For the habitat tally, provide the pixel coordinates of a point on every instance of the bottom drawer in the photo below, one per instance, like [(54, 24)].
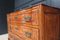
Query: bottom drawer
[(14, 37), (29, 33)]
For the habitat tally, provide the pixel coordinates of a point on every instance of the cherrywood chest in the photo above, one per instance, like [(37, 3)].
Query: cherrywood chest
[(40, 22)]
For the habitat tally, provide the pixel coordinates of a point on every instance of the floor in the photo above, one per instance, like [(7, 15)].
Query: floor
[(4, 37)]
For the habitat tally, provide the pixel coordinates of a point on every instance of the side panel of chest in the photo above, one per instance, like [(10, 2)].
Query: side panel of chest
[(51, 24)]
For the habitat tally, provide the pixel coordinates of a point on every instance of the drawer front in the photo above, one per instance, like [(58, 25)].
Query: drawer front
[(27, 18), (28, 33), (14, 37)]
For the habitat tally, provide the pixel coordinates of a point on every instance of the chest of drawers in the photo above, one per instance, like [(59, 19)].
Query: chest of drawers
[(39, 22)]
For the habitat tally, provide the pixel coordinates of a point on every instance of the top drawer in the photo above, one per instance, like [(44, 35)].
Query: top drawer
[(26, 17)]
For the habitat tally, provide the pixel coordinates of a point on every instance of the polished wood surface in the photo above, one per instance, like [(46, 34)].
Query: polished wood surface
[(40, 22), (52, 23)]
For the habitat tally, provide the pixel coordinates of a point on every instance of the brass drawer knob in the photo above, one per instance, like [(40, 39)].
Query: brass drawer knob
[(28, 34), (27, 18)]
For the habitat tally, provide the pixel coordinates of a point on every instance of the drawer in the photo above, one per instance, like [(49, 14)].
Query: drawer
[(27, 19), (28, 33), (14, 37)]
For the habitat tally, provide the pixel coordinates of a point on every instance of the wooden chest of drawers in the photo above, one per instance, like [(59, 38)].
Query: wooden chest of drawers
[(39, 22)]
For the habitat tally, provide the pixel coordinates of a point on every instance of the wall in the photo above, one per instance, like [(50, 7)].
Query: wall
[(5, 6), (53, 3), (20, 4)]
